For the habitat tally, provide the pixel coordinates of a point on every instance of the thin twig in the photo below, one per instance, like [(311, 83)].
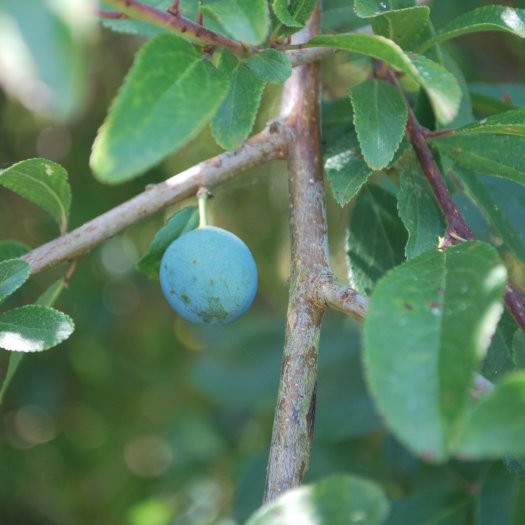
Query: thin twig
[(341, 298), (178, 24)]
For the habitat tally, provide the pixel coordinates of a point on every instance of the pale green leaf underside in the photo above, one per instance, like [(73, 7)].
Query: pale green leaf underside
[(428, 325), (496, 425), (13, 274), (33, 328), (380, 116), (234, 119), (376, 237), (441, 86), (481, 196), (487, 18), (167, 97), (346, 170), (182, 222), (12, 249), (418, 210), (270, 65), (43, 182), (507, 123), (337, 500), (497, 155), (244, 20)]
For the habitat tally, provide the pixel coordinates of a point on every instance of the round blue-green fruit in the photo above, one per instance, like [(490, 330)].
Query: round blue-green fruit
[(209, 276)]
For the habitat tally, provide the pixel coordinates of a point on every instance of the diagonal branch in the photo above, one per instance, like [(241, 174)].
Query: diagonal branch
[(177, 24), (266, 146)]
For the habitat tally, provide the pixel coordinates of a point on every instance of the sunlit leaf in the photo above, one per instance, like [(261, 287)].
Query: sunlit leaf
[(338, 500), (33, 328), (486, 18), (440, 85), (168, 96), (429, 323), (43, 182)]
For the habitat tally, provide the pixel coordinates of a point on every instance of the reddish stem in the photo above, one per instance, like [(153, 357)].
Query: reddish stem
[(113, 15), (178, 24), (457, 228)]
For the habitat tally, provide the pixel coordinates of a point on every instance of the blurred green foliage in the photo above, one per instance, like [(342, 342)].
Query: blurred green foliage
[(142, 419)]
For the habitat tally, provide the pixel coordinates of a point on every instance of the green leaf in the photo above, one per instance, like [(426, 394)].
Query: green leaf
[(496, 425), (346, 170), (48, 298), (33, 328), (337, 500), (182, 222), (496, 497), (518, 348), (440, 85), (369, 8), (45, 64), (270, 65), (507, 123), (465, 114), (376, 237), (235, 117), (44, 183), (428, 324), (13, 274), (402, 26), (500, 357), (487, 18), (429, 507), (380, 117), (481, 197), (168, 96), (495, 98), (12, 249), (496, 155), (418, 210), (401, 22), (294, 15), (244, 20), (281, 10)]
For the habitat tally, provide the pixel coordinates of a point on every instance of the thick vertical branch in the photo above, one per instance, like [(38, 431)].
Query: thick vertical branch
[(295, 409)]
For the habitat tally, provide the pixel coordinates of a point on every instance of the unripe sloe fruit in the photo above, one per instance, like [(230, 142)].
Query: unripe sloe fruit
[(209, 276)]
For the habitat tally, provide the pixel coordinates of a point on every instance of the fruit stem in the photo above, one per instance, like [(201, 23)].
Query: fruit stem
[(202, 196)]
